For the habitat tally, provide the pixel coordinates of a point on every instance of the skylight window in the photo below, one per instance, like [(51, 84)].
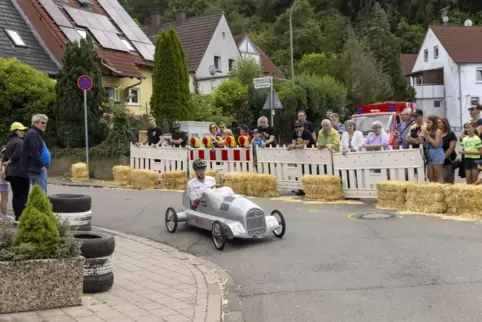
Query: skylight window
[(128, 45), (82, 33), (15, 38)]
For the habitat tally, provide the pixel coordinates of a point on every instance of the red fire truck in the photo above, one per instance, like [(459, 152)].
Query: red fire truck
[(387, 113)]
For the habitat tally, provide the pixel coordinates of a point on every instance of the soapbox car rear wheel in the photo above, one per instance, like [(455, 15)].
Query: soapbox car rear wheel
[(171, 220), (280, 231), (219, 235)]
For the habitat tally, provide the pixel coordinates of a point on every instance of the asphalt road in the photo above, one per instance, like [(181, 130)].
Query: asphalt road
[(328, 267)]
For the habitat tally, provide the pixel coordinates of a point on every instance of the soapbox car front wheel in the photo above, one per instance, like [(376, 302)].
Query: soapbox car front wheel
[(280, 231), (219, 235), (171, 220)]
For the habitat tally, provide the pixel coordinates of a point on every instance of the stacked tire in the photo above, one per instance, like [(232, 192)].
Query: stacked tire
[(98, 249), (76, 209)]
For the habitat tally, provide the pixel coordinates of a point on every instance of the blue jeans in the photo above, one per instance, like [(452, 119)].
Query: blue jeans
[(39, 179)]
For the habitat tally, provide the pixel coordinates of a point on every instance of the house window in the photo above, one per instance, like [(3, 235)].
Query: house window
[(110, 92), (224, 35), (134, 97), (437, 104), (217, 62), (231, 64), (479, 75), (418, 80), (435, 52), (82, 33), (425, 55), (15, 38), (128, 45), (474, 100)]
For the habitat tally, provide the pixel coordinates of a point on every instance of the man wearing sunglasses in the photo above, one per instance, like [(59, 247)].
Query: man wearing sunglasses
[(301, 137)]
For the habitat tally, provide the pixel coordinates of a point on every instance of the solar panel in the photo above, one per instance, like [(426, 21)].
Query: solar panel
[(144, 50), (116, 41), (102, 38), (105, 22), (71, 34), (77, 17), (91, 20), (55, 13)]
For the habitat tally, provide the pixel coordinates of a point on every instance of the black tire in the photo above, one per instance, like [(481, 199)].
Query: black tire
[(174, 220), (218, 235), (95, 243), (281, 221), (98, 266), (68, 203), (98, 283)]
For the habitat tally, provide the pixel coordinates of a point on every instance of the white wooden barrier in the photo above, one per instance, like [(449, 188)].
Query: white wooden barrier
[(224, 160), (160, 159), (290, 166), (361, 171)]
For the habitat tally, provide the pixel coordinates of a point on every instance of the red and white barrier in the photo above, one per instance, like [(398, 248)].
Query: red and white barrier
[(225, 160)]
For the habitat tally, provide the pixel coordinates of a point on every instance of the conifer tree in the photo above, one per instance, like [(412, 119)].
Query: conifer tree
[(171, 97), (79, 59)]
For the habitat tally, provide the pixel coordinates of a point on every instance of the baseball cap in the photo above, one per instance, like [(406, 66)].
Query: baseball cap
[(299, 123), (418, 112), (255, 130), (17, 126)]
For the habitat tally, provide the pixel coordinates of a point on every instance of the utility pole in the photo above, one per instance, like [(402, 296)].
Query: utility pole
[(291, 44)]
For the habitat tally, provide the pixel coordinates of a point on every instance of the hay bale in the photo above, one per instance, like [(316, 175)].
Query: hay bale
[(426, 197), (237, 181), (322, 187), (464, 200), (144, 179), (391, 194), (122, 174), (80, 172), (216, 174), (261, 185), (174, 180)]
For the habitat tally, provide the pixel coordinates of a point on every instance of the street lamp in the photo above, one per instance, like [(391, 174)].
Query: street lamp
[(291, 44)]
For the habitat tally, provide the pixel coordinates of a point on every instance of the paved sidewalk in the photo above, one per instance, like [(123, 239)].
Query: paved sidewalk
[(153, 282)]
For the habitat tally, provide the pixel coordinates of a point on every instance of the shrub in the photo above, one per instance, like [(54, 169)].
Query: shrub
[(38, 225)]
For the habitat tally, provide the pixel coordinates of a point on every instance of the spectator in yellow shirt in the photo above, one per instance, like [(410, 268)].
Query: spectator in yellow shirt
[(328, 137)]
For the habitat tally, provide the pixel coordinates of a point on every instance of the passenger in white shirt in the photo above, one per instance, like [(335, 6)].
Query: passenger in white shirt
[(351, 140), (197, 186)]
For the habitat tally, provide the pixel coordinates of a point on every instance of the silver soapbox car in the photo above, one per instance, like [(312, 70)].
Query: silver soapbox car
[(227, 215)]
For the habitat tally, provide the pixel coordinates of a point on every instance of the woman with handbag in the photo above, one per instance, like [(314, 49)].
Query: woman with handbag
[(449, 140)]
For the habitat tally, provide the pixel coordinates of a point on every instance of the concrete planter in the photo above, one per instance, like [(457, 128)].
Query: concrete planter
[(40, 284)]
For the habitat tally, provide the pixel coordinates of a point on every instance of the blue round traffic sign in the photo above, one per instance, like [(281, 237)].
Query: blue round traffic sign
[(85, 82)]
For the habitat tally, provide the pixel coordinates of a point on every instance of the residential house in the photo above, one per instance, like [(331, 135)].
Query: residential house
[(208, 45), (20, 40), (248, 48), (447, 73), (126, 53)]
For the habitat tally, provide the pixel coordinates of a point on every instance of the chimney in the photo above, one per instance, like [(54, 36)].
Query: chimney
[(180, 17), (155, 22)]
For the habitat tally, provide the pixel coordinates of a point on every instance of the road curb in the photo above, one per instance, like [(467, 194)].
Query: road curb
[(224, 304)]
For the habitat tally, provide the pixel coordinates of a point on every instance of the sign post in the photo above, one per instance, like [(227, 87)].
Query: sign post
[(85, 83), (266, 82)]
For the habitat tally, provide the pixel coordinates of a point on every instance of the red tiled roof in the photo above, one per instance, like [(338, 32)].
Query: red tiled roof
[(406, 62), (463, 44), (268, 67), (125, 63), (194, 33)]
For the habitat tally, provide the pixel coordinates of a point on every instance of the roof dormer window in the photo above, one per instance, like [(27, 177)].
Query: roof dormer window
[(82, 33), (128, 45), (15, 38)]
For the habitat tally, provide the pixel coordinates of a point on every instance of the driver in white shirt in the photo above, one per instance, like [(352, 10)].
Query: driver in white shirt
[(200, 184)]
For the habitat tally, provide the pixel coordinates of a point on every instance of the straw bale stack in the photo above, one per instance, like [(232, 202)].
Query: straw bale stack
[(261, 185), (391, 194), (464, 200), (237, 181), (322, 187), (212, 173), (80, 172), (174, 180), (144, 179), (142, 136), (122, 174), (426, 197)]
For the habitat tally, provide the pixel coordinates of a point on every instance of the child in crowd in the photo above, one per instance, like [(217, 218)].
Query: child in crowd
[(227, 132), (471, 150), (257, 140), (4, 187), (479, 177)]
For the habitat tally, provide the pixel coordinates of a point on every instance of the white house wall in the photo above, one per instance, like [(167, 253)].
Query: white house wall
[(225, 48), (208, 86), (451, 79), (247, 50)]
